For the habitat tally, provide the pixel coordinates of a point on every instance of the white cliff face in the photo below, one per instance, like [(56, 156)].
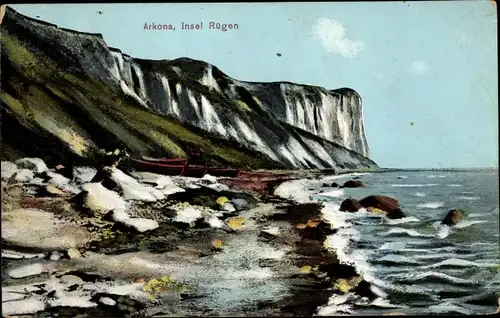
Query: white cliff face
[(203, 98), (331, 116)]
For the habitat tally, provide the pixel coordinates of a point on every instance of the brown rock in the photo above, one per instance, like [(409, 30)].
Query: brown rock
[(386, 204), (353, 184), (350, 205), (452, 218)]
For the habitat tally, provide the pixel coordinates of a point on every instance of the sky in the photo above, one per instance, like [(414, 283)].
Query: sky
[(426, 71)]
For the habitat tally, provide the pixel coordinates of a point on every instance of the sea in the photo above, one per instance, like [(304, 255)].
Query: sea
[(415, 265)]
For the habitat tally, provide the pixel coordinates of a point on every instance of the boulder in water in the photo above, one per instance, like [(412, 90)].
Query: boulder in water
[(353, 184), (452, 218), (384, 203), (381, 202), (350, 205)]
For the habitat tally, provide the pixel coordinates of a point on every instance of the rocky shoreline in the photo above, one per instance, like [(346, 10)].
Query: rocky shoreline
[(105, 243)]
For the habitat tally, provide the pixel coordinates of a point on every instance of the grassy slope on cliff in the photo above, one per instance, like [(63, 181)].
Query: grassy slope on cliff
[(81, 114)]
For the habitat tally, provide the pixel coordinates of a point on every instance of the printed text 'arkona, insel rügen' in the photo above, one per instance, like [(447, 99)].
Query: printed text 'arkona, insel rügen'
[(210, 25)]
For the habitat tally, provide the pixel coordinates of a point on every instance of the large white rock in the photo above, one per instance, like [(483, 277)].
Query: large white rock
[(36, 165), (23, 307), (107, 301), (8, 169), (27, 270), (209, 178), (273, 230), (72, 301), (188, 215), (101, 200), (10, 296), (215, 222), (57, 179), (83, 174), (140, 224), (228, 207), (133, 190), (20, 255), (24, 175), (118, 215)]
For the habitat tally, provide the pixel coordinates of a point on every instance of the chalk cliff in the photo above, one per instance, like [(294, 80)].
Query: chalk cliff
[(65, 93)]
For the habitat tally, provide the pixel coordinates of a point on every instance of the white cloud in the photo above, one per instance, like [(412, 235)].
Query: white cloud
[(331, 33), (419, 67)]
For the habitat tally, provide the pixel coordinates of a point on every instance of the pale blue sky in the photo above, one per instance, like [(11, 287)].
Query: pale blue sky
[(430, 63)]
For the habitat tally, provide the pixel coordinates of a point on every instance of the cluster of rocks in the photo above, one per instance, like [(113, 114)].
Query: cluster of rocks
[(347, 184), (60, 216), (383, 204), (374, 203)]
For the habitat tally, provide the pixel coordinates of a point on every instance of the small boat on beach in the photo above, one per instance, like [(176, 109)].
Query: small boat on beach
[(180, 167), (157, 167), (170, 161)]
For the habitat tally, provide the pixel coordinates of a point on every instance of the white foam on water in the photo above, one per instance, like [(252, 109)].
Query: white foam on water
[(336, 304), (418, 185), (467, 223), (399, 259), (384, 303), (430, 205), (334, 193), (435, 176), (332, 215), (468, 198), (458, 262), (448, 308), (344, 176), (442, 276), (420, 194), (404, 220), (399, 230), (393, 246), (443, 231), (454, 185)]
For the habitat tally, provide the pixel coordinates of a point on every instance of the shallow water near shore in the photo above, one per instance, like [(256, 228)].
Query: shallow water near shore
[(415, 264)]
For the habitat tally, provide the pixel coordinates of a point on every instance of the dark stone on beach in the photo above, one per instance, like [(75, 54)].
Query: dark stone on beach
[(381, 202), (336, 270), (64, 171), (350, 205), (239, 204), (353, 184), (299, 213), (363, 290), (319, 232), (333, 185), (452, 218)]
